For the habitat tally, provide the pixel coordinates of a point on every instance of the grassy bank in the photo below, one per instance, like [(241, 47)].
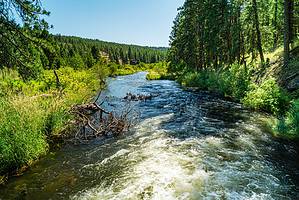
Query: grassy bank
[(34, 112)]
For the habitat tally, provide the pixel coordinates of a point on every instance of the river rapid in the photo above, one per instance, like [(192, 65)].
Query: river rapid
[(186, 145)]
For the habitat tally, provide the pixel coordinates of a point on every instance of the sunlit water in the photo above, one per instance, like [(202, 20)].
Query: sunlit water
[(186, 146)]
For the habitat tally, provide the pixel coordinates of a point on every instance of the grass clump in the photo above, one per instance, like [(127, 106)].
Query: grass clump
[(22, 137)]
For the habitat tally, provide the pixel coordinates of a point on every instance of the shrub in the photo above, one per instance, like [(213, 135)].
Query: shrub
[(194, 79), (292, 120), (157, 71), (268, 97), (289, 125), (238, 80), (153, 76), (232, 82)]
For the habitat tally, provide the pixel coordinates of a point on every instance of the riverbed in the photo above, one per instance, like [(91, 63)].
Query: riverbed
[(185, 145)]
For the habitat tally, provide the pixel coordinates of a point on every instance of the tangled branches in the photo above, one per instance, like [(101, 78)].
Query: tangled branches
[(93, 121)]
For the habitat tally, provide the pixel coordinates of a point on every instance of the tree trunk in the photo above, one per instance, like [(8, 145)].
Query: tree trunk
[(275, 32), (286, 31), (58, 84), (258, 33)]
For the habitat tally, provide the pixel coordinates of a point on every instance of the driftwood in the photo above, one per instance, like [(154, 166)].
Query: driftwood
[(93, 121), (138, 97)]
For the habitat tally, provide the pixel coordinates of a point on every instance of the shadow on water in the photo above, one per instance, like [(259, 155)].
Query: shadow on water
[(186, 146)]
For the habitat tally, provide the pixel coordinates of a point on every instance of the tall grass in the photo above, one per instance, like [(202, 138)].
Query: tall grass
[(157, 71), (31, 112), (22, 137)]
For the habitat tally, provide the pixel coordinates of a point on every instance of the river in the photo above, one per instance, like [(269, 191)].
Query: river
[(186, 145)]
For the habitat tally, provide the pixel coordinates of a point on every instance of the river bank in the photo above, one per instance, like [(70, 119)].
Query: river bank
[(35, 113)]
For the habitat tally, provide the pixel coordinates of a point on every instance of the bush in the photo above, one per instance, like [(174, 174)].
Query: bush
[(153, 76), (292, 120), (232, 82), (268, 97), (238, 81), (289, 125), (157, 71), (194, 79)]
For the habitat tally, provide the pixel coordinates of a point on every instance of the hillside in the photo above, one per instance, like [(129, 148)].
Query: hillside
[(287, 77)]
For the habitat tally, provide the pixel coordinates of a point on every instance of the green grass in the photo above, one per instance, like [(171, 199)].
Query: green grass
[(22, 137), (152, 75), (232, 82), (34, 111)]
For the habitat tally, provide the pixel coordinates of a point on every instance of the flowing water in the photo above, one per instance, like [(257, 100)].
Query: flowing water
[(186, 146)]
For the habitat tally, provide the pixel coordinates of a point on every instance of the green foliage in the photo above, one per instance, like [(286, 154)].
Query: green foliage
[(77, 62), (232, 82), (157, 71), (237, 81), (211, 34), (292, 120), (30, 119), (123, 70), (21, 133), (33, 68), (268, 97), (153, 76), (289, 125), (194, 79)]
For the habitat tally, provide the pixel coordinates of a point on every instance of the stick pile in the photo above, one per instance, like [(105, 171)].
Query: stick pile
[(93, 121)]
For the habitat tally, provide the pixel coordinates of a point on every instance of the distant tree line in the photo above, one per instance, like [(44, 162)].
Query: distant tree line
[(88, 51), (27, 46), (213, 33)]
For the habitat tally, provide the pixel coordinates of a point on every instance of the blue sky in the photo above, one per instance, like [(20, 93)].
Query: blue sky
[(141, 22)]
